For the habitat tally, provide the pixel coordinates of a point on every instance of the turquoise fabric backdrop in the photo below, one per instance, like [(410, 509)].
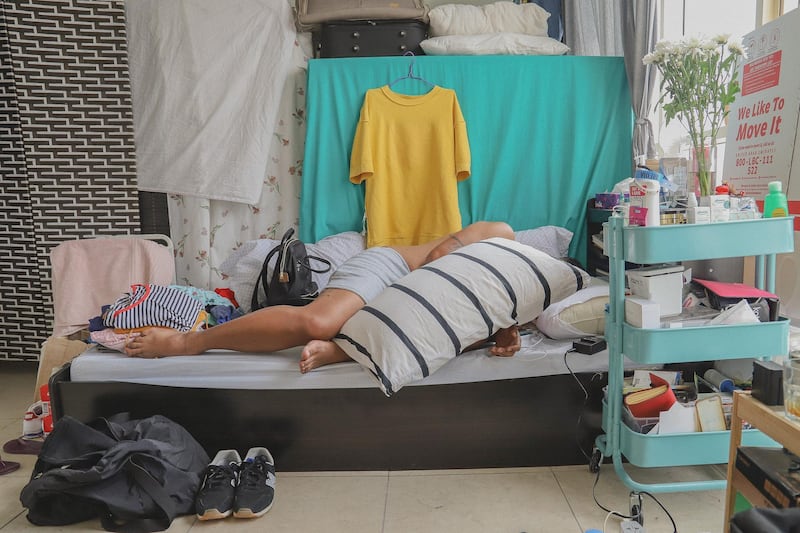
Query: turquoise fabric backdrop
[(546, 133)]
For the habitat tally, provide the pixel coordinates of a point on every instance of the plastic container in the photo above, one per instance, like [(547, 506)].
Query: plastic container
[(775, 204), (645, 193)]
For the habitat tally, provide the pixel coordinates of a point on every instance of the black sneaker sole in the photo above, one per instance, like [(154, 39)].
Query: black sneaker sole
[(214, 514), (247, 513)]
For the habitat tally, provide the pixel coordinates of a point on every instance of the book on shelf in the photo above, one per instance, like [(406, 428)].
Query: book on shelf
[(650, 402), (775, 472)]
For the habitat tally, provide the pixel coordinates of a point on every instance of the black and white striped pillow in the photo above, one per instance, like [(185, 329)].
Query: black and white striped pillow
[(429, 316)]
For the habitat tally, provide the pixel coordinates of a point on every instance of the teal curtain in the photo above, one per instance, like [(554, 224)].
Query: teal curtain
[(546, 133)]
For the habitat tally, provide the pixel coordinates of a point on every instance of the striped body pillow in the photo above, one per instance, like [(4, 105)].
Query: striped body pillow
[(429, 316)]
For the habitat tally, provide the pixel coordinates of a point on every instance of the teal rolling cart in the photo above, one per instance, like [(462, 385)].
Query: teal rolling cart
[(762, 238)]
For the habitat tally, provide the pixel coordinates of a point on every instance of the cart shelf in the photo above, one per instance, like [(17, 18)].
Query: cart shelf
[(705, 343), (762, 238)]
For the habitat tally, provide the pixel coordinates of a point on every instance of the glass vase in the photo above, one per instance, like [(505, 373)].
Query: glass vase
[(705, 168)]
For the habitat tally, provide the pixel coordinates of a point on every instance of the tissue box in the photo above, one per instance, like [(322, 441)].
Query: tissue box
[(607, 200), (663, 285)]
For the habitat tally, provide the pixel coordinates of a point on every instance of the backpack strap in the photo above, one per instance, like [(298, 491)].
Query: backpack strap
[(321, 270)]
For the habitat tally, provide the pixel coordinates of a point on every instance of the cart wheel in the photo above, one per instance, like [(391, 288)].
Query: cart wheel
[(594, 462), (637, 511)]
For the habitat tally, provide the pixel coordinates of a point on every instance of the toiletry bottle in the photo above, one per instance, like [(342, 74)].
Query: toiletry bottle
[(696, 214), (775, 204)]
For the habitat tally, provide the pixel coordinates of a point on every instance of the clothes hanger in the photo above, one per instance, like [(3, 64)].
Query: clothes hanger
[(411, 75)]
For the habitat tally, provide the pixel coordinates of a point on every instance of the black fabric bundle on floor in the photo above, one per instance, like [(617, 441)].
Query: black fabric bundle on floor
[(135, 475)]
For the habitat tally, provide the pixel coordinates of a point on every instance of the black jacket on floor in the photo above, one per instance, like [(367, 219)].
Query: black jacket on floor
[(135, 475)]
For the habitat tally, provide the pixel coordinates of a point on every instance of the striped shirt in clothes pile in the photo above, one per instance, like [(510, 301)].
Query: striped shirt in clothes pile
[(153, 305)]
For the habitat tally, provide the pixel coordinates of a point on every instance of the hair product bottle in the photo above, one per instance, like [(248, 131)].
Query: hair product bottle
[(775, 204)]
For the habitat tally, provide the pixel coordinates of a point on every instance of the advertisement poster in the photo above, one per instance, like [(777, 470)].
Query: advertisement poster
[(762, 144), (762, 122)]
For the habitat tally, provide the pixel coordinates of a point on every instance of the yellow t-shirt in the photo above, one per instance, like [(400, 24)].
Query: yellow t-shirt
[(412, 151)]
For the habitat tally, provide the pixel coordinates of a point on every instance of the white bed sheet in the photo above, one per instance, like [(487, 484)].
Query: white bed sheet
[(221, 369)]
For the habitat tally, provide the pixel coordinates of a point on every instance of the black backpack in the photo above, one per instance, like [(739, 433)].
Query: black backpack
[(135, 475), (291, 282)]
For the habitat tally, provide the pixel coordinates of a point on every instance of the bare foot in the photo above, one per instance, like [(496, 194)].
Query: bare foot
[(158, 342), (320, 353), (507, 342)]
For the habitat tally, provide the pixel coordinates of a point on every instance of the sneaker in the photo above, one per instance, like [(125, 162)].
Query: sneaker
[(32, 427), (216, 494), (256, 488)]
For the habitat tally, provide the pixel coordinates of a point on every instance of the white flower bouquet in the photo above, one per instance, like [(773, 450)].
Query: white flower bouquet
[(698, 83)]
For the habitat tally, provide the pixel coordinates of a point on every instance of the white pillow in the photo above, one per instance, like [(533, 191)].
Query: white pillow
[(577, 315), (242, 267), (493, 44), (455, 19), (553, 240), (429, 316)]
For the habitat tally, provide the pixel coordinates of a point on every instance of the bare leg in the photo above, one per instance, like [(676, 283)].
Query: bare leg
[(319, 353), (266, 330)]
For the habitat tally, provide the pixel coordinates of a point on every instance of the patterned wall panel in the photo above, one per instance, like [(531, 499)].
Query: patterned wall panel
[(19, 270), (69, 171)]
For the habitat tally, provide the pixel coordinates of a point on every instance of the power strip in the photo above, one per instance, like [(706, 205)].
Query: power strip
[(630, 526)]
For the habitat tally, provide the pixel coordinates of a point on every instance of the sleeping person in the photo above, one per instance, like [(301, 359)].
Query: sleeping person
[(355, 283)]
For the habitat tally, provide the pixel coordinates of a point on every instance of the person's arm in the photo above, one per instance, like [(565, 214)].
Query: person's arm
[(506, 342)]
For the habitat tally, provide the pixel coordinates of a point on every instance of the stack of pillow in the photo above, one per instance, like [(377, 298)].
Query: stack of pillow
[(501, 28)]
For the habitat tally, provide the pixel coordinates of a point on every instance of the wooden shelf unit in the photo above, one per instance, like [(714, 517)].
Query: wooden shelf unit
[(772, 422)]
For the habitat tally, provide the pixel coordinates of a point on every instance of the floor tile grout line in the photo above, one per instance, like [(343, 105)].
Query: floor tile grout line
[(566, 500), (386, 501), (12, 519)]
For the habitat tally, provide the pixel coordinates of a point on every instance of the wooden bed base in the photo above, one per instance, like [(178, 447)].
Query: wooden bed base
[(541, 421)]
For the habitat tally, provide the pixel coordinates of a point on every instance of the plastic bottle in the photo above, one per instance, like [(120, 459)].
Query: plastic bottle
[(645, 193), (775, 204), (696, 214)]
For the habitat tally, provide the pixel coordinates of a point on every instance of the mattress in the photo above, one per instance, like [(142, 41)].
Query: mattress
[(222, 369)]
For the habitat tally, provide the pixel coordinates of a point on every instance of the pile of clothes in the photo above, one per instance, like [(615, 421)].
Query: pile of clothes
[(178, 307)]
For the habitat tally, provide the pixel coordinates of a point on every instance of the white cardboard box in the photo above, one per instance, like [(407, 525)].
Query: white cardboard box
[(642, 313), (663, 285)]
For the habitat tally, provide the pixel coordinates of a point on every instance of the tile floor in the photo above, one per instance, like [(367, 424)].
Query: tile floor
[(530, 500)]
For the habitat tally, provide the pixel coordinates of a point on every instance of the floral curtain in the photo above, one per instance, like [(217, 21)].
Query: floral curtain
[(205, 232)]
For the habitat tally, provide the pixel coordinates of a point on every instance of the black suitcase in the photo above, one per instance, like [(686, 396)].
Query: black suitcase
[(356, 38)]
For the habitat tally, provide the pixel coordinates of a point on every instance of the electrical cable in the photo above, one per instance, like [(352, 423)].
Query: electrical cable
[(588, 458), (674, 527), (601, 506), (605, 522), (585, 401)]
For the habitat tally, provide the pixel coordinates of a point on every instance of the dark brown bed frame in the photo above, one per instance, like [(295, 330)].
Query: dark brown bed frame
[(540, 421)]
